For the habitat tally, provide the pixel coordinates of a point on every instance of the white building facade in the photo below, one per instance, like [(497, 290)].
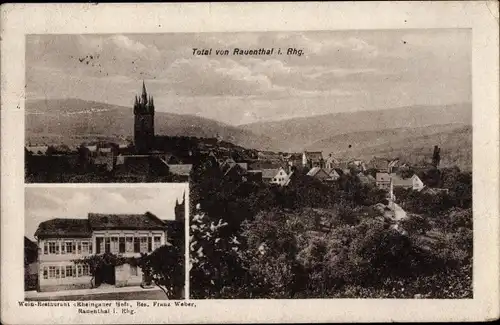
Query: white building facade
[(62, 241)]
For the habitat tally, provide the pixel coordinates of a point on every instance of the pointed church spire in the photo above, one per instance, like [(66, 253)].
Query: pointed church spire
[(144, 94)]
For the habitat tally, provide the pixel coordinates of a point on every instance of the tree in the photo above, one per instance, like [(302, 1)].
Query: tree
[(416, 224), (165, 268), (269, 256)]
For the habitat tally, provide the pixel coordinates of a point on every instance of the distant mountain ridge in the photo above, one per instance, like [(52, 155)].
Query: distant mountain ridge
[(298, 133), (410, 131)]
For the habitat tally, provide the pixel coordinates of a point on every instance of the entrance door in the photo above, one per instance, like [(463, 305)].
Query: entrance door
[(106, 275)]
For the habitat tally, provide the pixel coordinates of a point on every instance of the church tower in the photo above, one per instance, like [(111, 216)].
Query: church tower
[(179, 209), (144, 123)]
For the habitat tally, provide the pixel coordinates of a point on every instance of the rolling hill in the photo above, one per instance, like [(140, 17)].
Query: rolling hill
[(72, 121), (413, 145), (299, 133)]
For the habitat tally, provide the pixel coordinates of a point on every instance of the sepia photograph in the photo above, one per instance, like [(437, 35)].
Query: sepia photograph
[(340, 167), (250, 163), (104, 243)]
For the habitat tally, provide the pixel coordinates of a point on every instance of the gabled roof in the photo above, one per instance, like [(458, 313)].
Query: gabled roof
[(399, 181), (182, 170), (335, 172), (383, 177), (234, 168), (36, 149), (394, 163), (146, 221), (315, 170), (269, 173), (64, 227)]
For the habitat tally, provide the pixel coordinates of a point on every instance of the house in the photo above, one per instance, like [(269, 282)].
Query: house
[(274, 176), (413, 182), (230, 163), (331, 162), (62, 241), (380, 164), (335, 174), (37, 150), (312, 159), (183, 171), (318, 173), (293, 159), (30, 264), (383, 181), (393, 165), (234, 172)]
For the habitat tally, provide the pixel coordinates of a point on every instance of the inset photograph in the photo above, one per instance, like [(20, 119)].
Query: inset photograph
[(105, 242)]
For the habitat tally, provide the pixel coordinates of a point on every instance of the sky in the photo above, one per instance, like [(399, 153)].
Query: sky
[(340, 71), (44, 203)]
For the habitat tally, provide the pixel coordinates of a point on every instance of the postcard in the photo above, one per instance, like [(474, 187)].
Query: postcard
[(258, 162)]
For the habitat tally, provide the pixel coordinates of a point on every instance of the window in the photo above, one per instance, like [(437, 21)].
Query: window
[(52, 272), (114, 244), (122, 245), (150, 244), (85, 270), (73, 268), (84, 247), (144, 244), (57, 272), (52, 247), (63, 248), (137, 247), (107, 245), (45, 273), (129, 246), (63, 273), (79, 270), (90, 247), (69, 271), (69, 248), (133, 270), (157, 242), (45, 248), (79, 247)]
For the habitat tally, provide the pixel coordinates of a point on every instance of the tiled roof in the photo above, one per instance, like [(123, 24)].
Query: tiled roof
[(147, 221), (64, 227), (183, 170)]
